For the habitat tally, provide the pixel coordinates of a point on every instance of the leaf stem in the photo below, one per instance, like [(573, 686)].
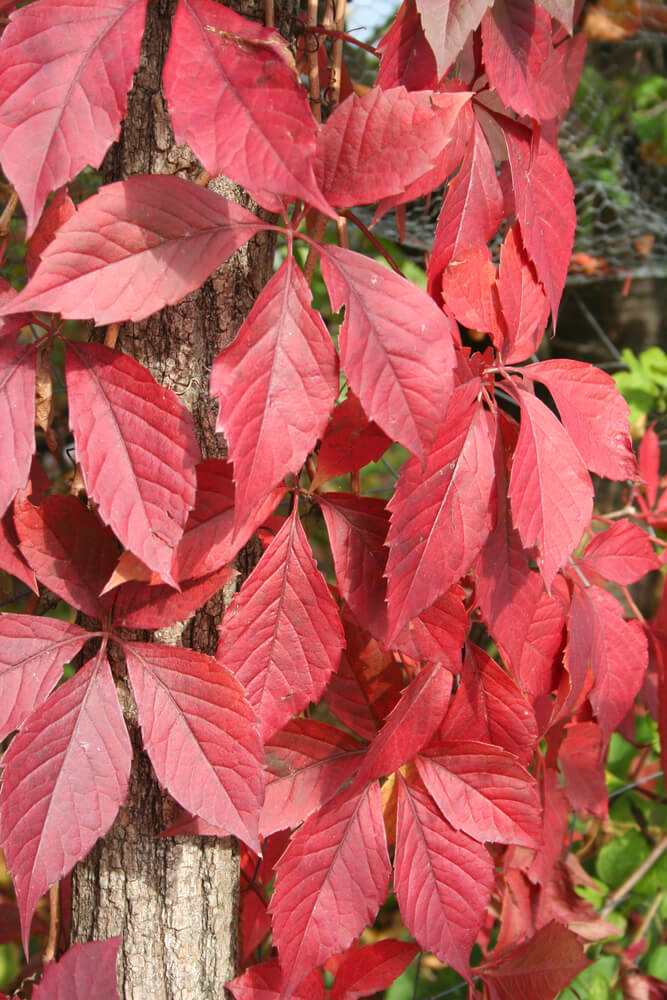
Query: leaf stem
[(51, 948), (373, 239)]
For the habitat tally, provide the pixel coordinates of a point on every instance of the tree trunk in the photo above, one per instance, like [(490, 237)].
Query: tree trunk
[(173, 900)]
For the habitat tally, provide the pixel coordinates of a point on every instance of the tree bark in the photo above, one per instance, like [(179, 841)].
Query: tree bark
[(173, 900)]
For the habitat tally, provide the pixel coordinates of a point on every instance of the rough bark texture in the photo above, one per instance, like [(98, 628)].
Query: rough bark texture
[(173, 900)]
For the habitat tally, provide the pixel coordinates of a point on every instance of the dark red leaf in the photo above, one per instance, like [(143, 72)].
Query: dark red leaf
[(581, 756), (442, 880), (71, 551), (137, 448), (281, 637), (60, 209), (195, 719), (17, 416), (11, 560), (32, 655), (438, 633), (538, 968), (276, 384), (447, 25), (139, 605), (84, 971), (64, 776), (368, 970), (344, 851), (407, 58), (265, 982), (396, 347), (350, 441), (68, 67), (134, 247)]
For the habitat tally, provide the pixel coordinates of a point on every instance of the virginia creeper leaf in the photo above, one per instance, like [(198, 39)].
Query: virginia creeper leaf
[(523, 301), (538, 968), (11, 559), (64, 776), (438, 633), (227, 76), (137, 448), (345, 850), (59, 210), (350, 441), (373, 968), (442, 880), (134, 247), (550, 491), (407, 58), (68, 66), (649, 464), (562, 10), (17, 416), (84, 971), (276, 384), (195, 721), (396, 347), (581, 757), (140, 605), (265, 982), (281, 636), (447, 23), (623, 554)]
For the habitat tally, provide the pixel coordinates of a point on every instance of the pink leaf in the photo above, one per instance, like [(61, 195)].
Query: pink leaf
[(195, 720), (550, 491), (438, 633), (649, 464), (64, 777), (411, 724), (71, 551), (344, 851), (17, 416), (594, 414), (396, 347), (60, 209), (307, 762), (63, 93), (84, 971), (11, 560), (226, 76), (276, 384), (524, 304), (33, 652), (581, 757), (139, 605), (209, 540), (368, 970), (134, 247), (265, 982), (441, 515), (407, 58), (483, 791), (448, 24), (350, 441), (281, 637), (442, 880), (137, 448), (538, 968), (623, 554)]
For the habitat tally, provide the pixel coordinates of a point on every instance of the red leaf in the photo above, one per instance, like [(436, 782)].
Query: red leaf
[(307, 762), (396, 347), (64, 777), (438, 633), (544, 199), (11, 560), (594, 413), (134, 247), (483, 791), (410, 726), (407, 58), (473, 209), (469, 291), (195, 720), (447, 25), (137, 448), (368, 970), (276, 384), (60, 209), (350, 441), (17, 416), (581, 756), (138, 605), (225, 76), (649, 464), (265, 982), (538, 968), (63, 93), (71, 551), (623, 554), (33, 652), (209, 540), (344, 850), (442, 880), (281, 637), (84, 971), (524, 303), (441, 515), (562, 10), (489, 707), (550, 491)]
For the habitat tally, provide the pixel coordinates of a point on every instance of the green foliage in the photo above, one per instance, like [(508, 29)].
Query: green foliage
[(644, 384)]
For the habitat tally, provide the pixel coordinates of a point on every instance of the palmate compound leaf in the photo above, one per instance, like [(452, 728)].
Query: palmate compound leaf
[(17, 416), (483, 791), (550, 490), (65, 69), (227, 77), (441, 515), (442, 879), (32, 653), (276, 384), (134, 247), (396, 347), (85, 971), (343, 849), (200, 734), (281, 636), (64, 777), (137, 448), (447, 25)]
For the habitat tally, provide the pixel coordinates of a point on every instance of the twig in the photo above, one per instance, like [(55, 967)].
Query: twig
[(318, 232), (341, 226), (337, 56), (635, 784), (202, 178), (111, 335), (269, 14), (7, 213), (626, 887), (345, 37), (313, 64), (650, 913), (54, 924)]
